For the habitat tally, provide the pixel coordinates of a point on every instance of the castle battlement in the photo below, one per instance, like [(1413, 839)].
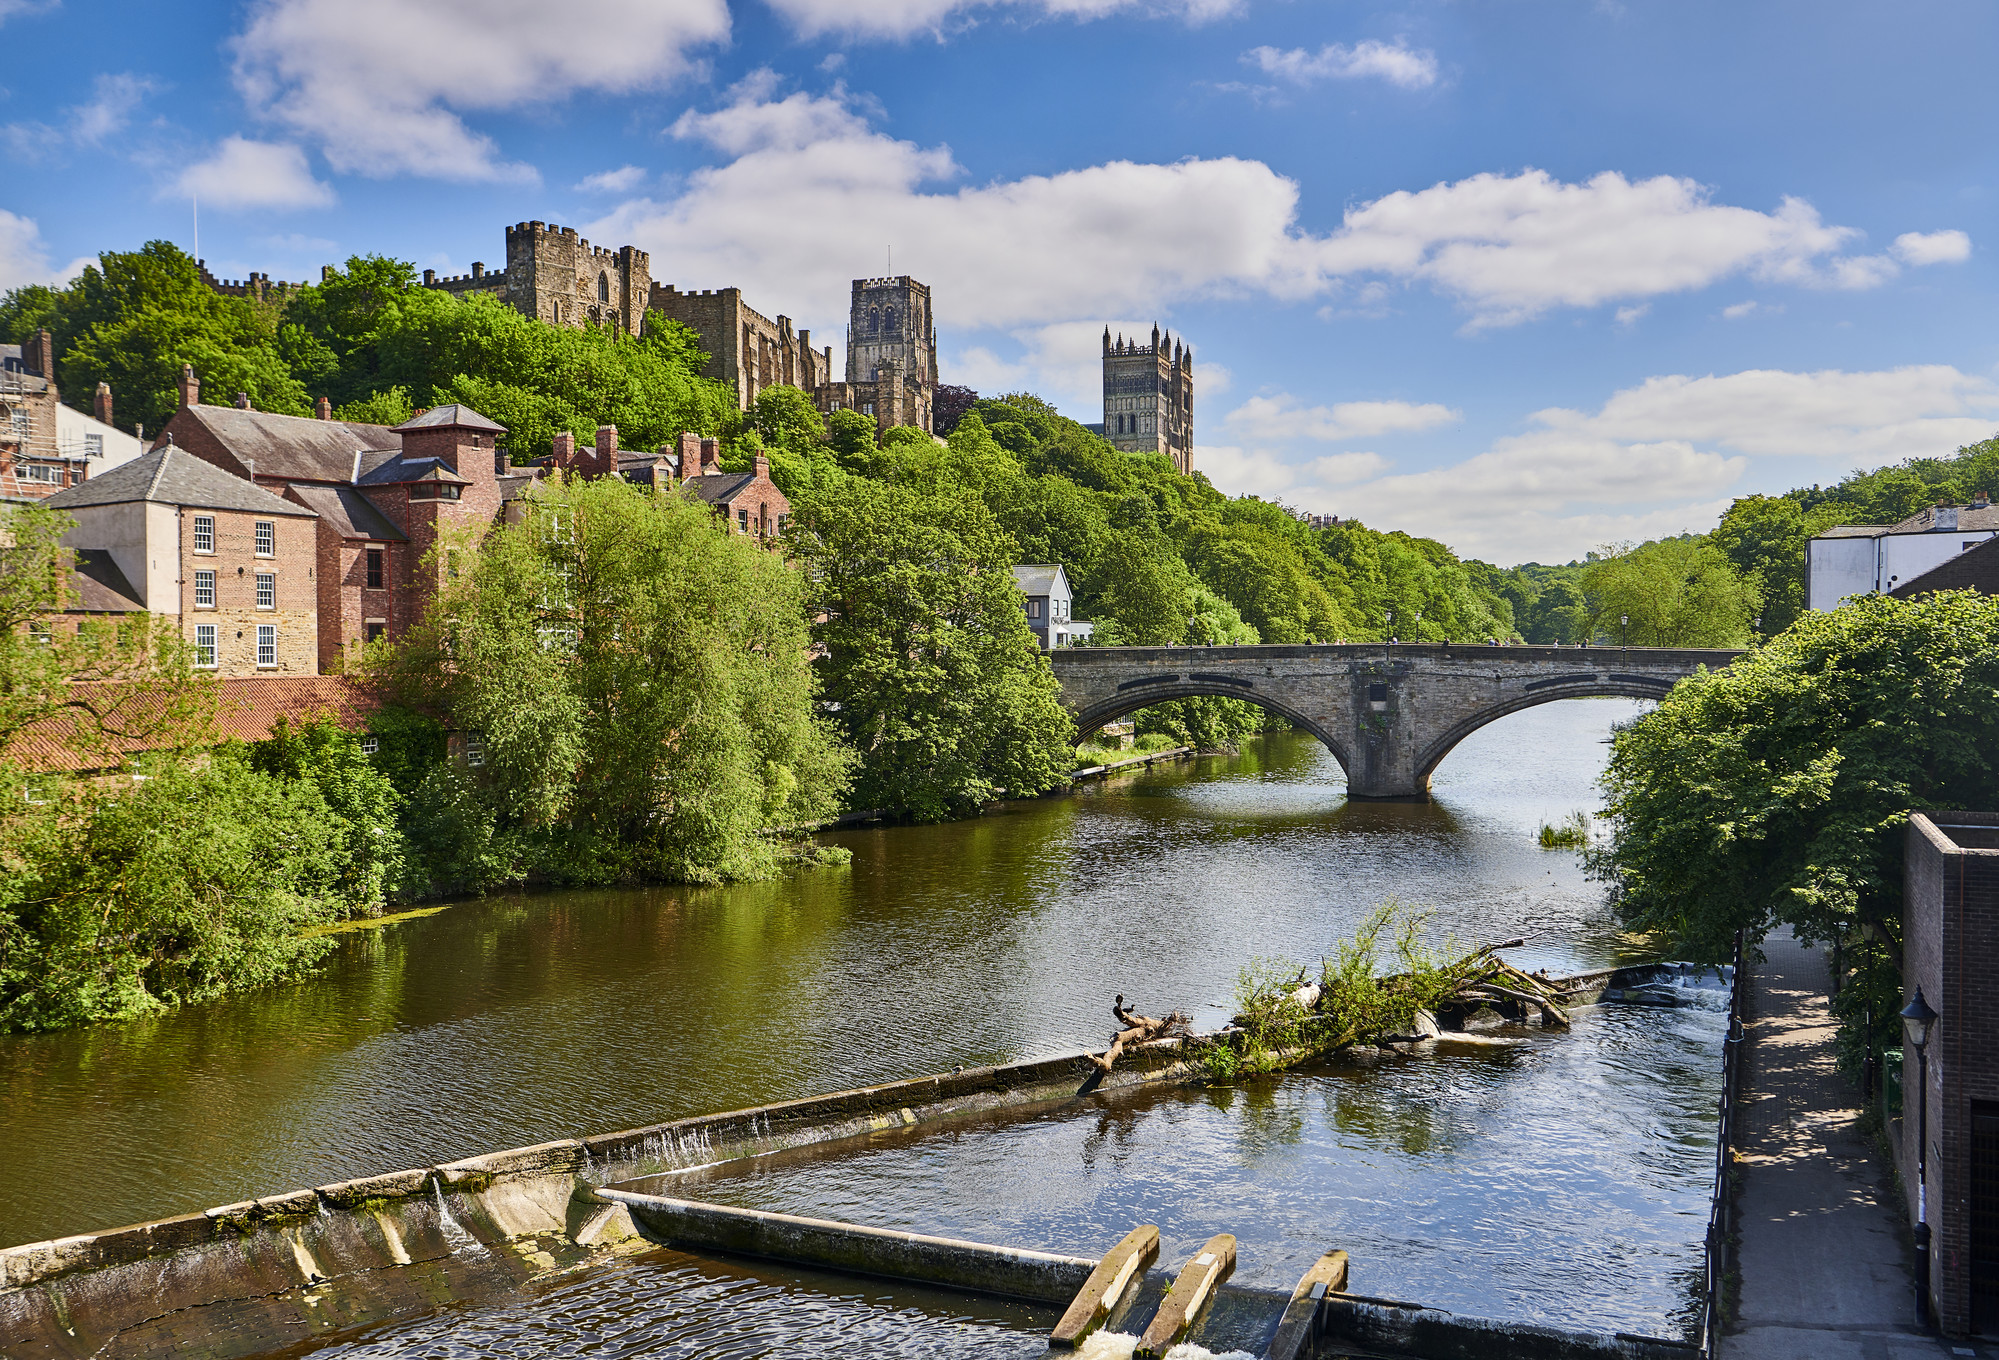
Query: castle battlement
[(899, 281), (256, 285)]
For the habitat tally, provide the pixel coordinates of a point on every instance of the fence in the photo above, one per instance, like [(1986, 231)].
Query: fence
[(1721, 1208)]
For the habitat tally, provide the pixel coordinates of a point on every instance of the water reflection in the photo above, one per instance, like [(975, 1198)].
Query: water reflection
[(515, 1020)]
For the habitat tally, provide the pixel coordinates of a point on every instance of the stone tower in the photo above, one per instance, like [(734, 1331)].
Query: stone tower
[(891, 335), (1149, 397), (556, 276)]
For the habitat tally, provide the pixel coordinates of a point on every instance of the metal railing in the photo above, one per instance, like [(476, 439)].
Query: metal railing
[(1721, 1209)]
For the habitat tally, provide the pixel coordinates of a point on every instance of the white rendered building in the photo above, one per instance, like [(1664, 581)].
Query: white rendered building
[(1869, 559)]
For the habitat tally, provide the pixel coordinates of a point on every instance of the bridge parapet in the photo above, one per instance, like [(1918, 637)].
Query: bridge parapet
[(1389, 714)]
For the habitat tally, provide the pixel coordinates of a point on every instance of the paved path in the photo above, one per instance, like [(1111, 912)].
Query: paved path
[(1825, 1260)]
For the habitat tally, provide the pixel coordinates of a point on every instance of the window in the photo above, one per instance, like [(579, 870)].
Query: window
[(1034, 609), (204, 645), (559, 640), (204, 590), (370, 745), (20, 422), (37, 472), (93, 446), (743, 520), (375, 557), (267, 644), (40, 632), (267, 538), (434, 491), (603, 288), (377, 630), (475, 750), (267, 590), (204, 533)]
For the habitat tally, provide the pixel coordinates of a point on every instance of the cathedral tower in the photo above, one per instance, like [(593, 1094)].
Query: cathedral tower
[(1149, 397), (890, 334)]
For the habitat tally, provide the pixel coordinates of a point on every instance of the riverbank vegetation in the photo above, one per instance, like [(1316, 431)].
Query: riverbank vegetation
[(1776, 792)]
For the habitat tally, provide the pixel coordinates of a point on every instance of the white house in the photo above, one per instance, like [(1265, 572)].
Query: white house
[(102, 446), (1049, 602), (1867, 559)]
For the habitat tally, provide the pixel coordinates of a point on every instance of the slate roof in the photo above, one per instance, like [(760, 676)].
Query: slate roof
[(399, 470), (1973, 569), (1038, 578), (292, 447), (173, 476), (99, 586), (719, 488), (348, 513), (452, 416), (1970, 519)]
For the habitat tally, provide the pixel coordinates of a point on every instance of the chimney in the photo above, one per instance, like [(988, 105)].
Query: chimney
[(250, 468), (1980, 501), (101, 407), (562, 451), (762, 468), (41, 352), (711, 456), (1946, 517), (502, 465), (323, 408), (242, 401), (690, 455), (190, 387), (607, 450)]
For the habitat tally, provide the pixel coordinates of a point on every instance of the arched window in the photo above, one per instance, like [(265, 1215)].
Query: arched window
[(603, 288)]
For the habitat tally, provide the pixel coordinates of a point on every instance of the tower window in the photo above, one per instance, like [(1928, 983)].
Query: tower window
[(375, 559), (603, 288)]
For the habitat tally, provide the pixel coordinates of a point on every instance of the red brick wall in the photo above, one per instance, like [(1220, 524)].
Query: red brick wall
[(235, 614)]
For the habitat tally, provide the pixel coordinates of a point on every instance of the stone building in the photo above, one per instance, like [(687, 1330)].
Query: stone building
[(1950, 944), (554, 275), (891, 355), (1149, 397), (746, 349), (229, 562)]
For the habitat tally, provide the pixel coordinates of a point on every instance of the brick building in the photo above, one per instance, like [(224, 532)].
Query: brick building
[(230, 563), (1950, 944), (746, 350)]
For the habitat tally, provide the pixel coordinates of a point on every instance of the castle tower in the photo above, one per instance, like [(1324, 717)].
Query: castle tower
[(1149, 397), (889, 322), (556, 276)]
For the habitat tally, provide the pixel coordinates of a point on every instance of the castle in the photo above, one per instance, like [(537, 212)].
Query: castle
[(1149, 397)]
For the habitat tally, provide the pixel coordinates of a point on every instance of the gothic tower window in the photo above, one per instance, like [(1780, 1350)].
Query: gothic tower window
[(603, 288)]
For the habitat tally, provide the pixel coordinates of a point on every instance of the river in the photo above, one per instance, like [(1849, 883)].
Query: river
[(518, 1019)]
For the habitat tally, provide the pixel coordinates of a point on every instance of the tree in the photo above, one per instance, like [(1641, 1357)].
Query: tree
[(1776, 791), (640, 682), (928, 664), (1766, 539), (1677, 592), (948, 406), (362, 805)]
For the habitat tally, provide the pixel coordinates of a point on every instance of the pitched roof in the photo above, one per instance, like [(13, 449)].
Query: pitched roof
[(719, 488), (99, 585), (347, 512), (398, 470), (1973, 569), (173, 476), (1038, 578), (246, 709), (292, 447), (456, 415)]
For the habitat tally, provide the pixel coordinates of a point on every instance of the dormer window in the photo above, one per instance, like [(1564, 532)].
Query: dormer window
[(435, 491)]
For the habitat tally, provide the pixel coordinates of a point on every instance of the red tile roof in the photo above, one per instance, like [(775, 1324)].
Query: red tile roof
[(246, 709)]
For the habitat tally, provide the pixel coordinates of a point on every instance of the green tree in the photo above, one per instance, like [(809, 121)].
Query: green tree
[(928, 664), (1766, 538), (361, 801), (1677, 592)]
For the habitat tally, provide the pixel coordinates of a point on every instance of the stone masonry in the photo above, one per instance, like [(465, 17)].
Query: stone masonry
[(554, 275), (1149, 397), (1389, 713), (746, 349)]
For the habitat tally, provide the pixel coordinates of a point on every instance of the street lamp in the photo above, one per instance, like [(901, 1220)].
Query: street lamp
[(1918, 1018), (1624, 630)]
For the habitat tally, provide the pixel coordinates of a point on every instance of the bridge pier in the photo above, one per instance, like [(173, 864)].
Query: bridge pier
[(1389, 714)]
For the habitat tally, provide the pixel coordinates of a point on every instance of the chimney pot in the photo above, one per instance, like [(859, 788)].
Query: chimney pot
[(101, 407), (190, 387), (323, 408), (242, 401)]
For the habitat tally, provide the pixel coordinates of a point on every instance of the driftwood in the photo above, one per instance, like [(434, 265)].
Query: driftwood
[(1137, 1030)]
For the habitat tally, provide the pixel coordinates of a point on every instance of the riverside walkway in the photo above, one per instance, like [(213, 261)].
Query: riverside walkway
[(1825, 1259)]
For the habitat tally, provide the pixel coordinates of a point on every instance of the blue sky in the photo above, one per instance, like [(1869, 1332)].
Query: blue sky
[(1525, 276)]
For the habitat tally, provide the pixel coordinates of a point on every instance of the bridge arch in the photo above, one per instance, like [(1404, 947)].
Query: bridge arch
[(1433, 755), (1130, 701)]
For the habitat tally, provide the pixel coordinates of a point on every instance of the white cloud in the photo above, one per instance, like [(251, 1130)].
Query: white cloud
[(1280, 416), (1630, 316), (108, 111), (1392, 62), (11, 8), (906, 18), (25, 260), (1736, 311), (382, 85), (809, 195), (1935, 247), (246, 174), (1657, 458), (1337, 469), (1211, 380), (620, 181)]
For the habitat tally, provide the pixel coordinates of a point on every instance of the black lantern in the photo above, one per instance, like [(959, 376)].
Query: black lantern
[(1918, 1019)]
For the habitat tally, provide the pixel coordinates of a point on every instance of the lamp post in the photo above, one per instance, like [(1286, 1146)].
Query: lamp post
[(1624, 630), (1917, 1020)]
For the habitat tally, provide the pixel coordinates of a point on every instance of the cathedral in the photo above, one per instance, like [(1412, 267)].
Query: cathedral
[(1149, 397)]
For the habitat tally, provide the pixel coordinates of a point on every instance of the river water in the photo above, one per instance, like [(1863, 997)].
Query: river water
[(1563, 1178)]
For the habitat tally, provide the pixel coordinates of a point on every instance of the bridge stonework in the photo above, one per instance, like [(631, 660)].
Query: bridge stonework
[(1389, 714)]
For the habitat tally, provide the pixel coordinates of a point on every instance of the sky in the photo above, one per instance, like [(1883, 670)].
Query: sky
[(1527, 276)]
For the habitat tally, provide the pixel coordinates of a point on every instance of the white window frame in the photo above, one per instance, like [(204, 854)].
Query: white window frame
[(267, 588), (204, 590), (204, 535), (267, 645), (475, 750), (267, 538), (93, 446), (204, 646), (370, 745)]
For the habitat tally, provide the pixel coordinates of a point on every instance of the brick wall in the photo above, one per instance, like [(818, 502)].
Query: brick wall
[(1950, 943), (29, 455), (236, 615)]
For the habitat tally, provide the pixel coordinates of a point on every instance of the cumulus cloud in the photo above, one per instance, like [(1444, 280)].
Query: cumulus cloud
[(1281, 416), (1631, 316), (382, 85), (11, 8), (114, 98), (809, 193), (1398, 65), (620, 181), (906, 18), (24, 259), (245, 174), (1657, 458), (1935, 247), (1737, 311)]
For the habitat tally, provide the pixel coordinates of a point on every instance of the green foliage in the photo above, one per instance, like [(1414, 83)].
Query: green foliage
[(1677, 592), (193, 882), (390, 407), (1776, 791), (929, 668), (409, 745), (1570, 833), (361, 802)]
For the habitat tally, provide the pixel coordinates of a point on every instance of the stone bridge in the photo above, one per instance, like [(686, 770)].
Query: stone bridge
[(1390, 714)]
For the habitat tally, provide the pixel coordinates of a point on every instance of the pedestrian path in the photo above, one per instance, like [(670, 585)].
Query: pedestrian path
[(1825, 1258)]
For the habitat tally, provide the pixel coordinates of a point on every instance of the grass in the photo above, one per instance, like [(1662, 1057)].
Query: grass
[(1571, 833), (1090, 753)]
